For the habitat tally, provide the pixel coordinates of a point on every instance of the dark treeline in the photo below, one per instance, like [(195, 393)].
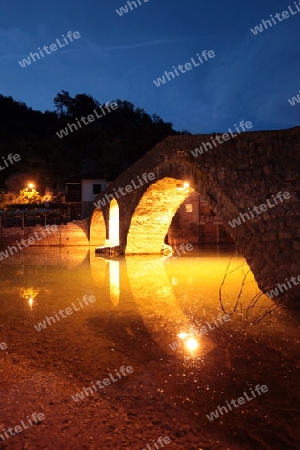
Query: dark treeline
[(105, 147)]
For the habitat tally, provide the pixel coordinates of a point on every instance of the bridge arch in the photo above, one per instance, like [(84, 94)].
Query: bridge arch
[(153, 215), (241, 173), (97, 228), (157, 205)]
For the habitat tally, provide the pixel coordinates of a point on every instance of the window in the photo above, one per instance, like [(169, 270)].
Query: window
[(97, 188), (73, 192), (189, 207)]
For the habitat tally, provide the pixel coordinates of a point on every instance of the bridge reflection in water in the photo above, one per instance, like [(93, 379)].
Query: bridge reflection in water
[(175, 298), (172, 296)]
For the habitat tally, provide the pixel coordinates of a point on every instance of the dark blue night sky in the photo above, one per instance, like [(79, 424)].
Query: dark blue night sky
[(250, 78)]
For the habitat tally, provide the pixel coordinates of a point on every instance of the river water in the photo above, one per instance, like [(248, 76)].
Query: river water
[(148, 312)]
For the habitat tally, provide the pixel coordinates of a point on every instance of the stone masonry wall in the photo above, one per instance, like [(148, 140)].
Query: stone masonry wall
[(73, 233)]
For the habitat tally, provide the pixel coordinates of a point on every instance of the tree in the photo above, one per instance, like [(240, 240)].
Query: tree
[(80, 105), (107, 146), (83, 105), (63, 102)]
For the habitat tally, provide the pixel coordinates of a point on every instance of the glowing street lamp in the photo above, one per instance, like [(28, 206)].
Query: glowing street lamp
[(185, 185)]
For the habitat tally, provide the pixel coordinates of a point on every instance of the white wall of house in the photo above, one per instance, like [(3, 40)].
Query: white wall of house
[(87, 189)]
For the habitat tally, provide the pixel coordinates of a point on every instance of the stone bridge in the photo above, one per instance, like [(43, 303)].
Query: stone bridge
[(243, 172)]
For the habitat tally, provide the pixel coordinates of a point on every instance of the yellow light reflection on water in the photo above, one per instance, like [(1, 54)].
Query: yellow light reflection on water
[(182, 335), (191, 344), (114, 282), (179, 309), (29, 294), (30, 302)]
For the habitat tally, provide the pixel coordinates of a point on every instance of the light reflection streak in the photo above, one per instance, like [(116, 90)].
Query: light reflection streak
[(30, 302), (114, 282), (29, 294), (161, 311)]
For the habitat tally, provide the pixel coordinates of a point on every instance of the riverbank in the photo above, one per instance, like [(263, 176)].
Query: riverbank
[(42, 373)]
